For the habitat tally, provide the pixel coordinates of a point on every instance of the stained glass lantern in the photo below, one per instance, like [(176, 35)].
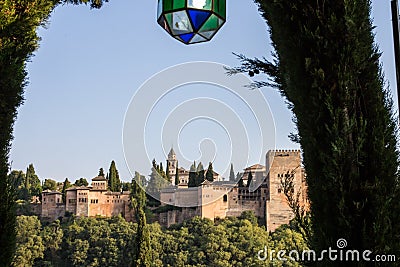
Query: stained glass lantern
[(191, 21)]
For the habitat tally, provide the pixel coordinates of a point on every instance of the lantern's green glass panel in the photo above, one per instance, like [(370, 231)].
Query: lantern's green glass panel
[(179, 22), (168, 5), (159, 8), (197, 39), (220, 8), (168, 18), (200, 4), (213, 23), (179, 4)]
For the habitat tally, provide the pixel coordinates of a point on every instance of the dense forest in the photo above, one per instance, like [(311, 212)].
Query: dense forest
[(109, 242)]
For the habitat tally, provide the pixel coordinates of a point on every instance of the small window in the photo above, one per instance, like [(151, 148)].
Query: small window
[(225, 198), (279, 190)]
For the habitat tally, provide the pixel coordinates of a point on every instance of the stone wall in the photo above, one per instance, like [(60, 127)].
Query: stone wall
[(282, 162)]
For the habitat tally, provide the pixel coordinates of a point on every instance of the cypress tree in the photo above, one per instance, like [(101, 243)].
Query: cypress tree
[(66, 185), (200, 174), (114, 183), (32, 182), (238, 176), (101, 172), (210, 173), (249, 179), (176, 176), (19, 22), (192, 176), (327, 68), (161, 168), (241, 183), (142, 249), (232, 177), (169, 178)]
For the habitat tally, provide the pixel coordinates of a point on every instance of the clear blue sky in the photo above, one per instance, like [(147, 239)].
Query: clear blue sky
[(91, 63)]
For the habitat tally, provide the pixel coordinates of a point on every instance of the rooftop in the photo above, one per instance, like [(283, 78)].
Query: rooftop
[(99, 178)]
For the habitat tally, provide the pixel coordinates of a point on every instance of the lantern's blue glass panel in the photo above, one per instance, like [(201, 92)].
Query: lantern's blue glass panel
[(180, 23), (200, 4), (186, 37), (198, 17)]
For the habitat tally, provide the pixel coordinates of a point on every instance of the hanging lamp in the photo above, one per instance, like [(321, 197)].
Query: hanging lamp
[(191, 21)]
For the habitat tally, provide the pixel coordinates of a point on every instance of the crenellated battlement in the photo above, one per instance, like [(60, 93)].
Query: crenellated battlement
[(283, 153)]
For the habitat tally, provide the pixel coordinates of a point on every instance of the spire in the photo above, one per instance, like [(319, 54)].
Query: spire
[(171, 153)]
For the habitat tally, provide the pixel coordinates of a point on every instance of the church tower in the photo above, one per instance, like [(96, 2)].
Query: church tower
[(172, 163)]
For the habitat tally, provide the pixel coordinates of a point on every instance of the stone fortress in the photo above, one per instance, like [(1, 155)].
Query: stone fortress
[(89, 201), (217, 199), (220, 199)]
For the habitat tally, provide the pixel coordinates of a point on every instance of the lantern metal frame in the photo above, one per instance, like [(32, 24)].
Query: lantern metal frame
[(191, 21)]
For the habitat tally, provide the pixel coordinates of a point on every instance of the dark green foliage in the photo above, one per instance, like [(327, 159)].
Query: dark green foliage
[(96, 242), (199, 174), (158, 180), (141, 250), (49, 184), (249, 179), (327, 68), (241, 183), (111, 242), (81, 182), (210, 173), (196, 175), (18, 178), (126, 186), (29, 242), (114, 183), (19, 21), (238, 176), (192, 175), (169, 179), (7, 219), (101, 172), (66, 185), (177, 176), (232, 177), (32, 182), (52, 236)]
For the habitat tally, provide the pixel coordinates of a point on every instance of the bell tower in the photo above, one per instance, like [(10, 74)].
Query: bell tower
[(172, 163)]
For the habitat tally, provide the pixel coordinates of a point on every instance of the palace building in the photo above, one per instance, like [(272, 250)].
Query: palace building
[(264, 195), (220, 199)]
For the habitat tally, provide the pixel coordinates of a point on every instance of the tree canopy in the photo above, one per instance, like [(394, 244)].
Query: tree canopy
[(327, 68)]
